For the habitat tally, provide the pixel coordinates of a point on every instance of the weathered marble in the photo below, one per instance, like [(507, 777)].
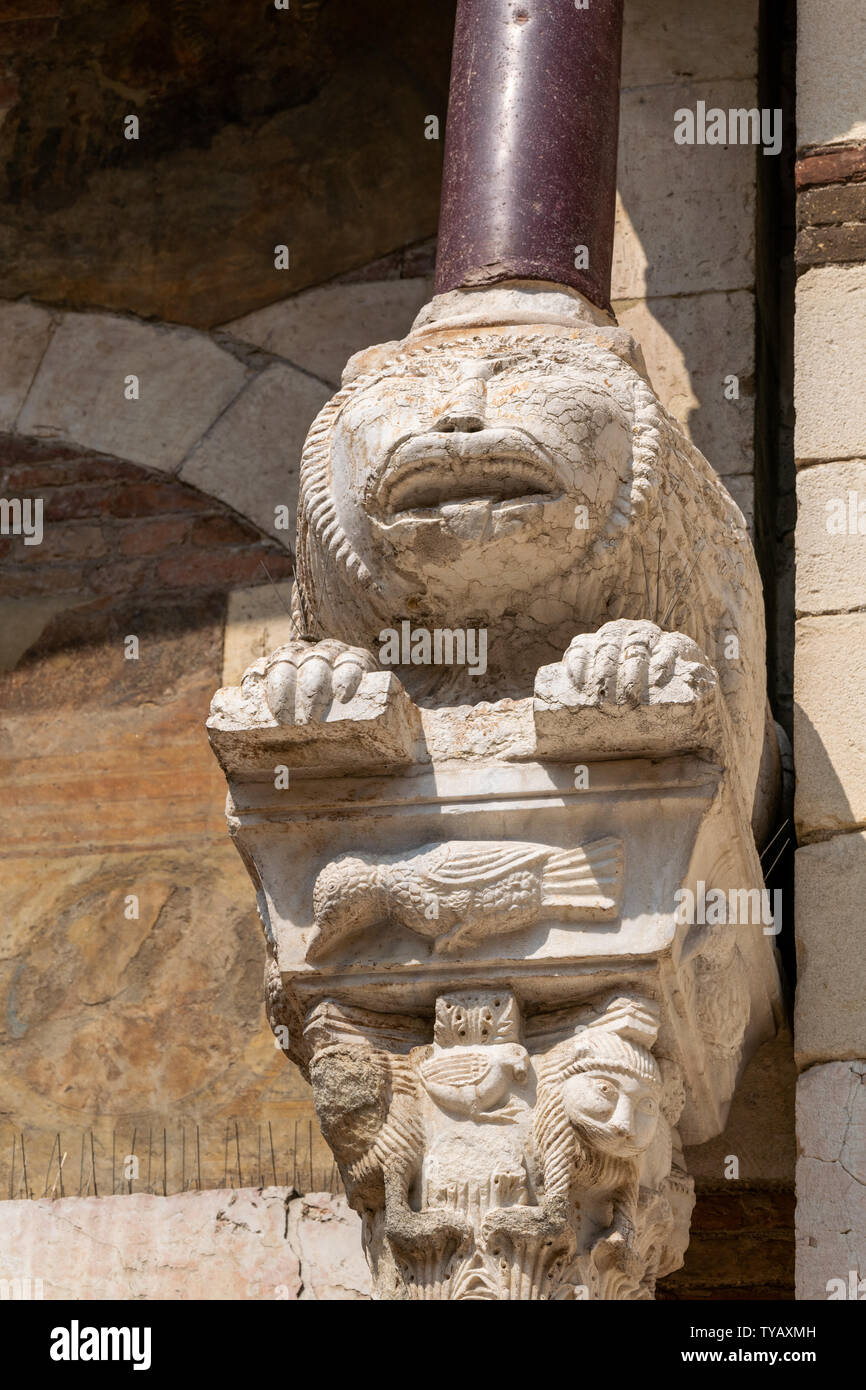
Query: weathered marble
[(471, 878)]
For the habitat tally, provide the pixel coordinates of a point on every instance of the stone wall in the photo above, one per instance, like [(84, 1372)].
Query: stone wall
[(251, 1243), (830, 689)]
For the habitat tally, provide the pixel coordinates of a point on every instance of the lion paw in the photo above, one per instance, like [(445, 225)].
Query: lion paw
[(631, 662), (614, 1251), (302, 678)]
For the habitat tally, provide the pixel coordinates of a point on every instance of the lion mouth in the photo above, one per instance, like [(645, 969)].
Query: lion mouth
[(431, 470)]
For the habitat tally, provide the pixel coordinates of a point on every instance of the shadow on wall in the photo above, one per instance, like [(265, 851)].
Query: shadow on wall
[(684, 255)]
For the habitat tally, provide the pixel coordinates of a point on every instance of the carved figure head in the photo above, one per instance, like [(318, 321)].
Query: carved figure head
[(612, 1092)]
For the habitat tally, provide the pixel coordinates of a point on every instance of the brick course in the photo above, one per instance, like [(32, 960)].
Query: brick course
[(113, 528)]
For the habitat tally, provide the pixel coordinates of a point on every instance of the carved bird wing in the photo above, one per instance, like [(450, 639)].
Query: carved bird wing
[(468, 863), (585, 883), (465, 1069)]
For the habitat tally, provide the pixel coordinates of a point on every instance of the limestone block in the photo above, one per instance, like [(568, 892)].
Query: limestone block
[(831, 1180), (215, 1245), (829, 695), (320, 329), (226, 1244), (185, 381), (829, 351), (325, 1234), (677, 39), (712, 187), (24, 333), (830, 1005), (691, 343), (250, 457), (831, 40), (831, 546)]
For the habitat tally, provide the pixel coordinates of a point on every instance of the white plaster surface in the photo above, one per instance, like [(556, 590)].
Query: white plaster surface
[(248, 1243)]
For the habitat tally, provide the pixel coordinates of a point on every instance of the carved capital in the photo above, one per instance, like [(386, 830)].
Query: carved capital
[(487, 1166)]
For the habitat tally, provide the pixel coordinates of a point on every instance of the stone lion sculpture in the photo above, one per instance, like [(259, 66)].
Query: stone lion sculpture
[(508, 467)]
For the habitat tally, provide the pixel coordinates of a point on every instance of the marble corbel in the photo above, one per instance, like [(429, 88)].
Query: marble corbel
[(475, 955)]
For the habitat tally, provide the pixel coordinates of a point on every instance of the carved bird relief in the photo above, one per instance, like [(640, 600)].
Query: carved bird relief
[(474, 1081), (461, 890)]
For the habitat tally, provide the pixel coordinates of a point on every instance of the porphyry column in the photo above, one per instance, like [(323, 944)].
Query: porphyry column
[(529, 182)]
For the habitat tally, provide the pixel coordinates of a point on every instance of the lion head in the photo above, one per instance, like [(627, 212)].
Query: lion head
[(509, 466)]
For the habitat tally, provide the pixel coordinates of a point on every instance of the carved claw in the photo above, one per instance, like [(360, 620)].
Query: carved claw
[(543, 1222), (627, 662), (302, 678), (413, 1233), (614, 1251)]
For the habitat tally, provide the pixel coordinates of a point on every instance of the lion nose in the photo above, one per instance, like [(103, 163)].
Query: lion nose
[(464, 409)]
